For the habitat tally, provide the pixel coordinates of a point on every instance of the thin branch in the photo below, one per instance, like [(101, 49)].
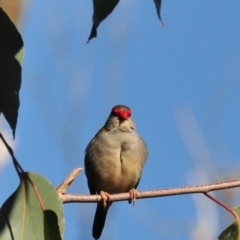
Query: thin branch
[(70, 198), (62, 188)]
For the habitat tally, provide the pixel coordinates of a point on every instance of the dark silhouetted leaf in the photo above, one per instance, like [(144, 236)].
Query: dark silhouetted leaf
[(51, 227), (101, 9), (11, 51), (158, 4), (21, 216), (231, 232)]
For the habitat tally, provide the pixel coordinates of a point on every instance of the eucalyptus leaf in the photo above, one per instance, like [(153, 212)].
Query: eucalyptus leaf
[(101, 9), (11, 52), (21, 216), (231, 232)]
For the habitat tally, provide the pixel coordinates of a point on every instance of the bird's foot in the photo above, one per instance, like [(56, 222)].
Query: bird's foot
[(133, 195), (104, 197)]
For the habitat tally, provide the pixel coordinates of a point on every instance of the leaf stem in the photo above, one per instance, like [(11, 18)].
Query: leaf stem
[(228, 209), (22, 174)]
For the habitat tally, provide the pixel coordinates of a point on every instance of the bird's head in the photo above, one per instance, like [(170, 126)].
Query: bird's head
[(120, 116), (122, 112)]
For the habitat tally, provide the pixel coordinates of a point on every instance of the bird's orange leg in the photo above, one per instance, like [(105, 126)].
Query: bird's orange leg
[(104, 197), (133, 195)]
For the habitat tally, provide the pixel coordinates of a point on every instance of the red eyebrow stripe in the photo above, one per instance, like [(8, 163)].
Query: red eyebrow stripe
[(122, 113)]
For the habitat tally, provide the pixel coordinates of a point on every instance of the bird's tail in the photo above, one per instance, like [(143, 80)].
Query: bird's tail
[(99, 219)]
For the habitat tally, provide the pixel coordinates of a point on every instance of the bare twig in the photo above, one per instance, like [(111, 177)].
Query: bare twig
[(62, 188), (70, 198)]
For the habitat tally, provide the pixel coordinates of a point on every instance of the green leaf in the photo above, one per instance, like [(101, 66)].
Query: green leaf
[(21, 216), (237, 210), (231, 232), (19, 56)]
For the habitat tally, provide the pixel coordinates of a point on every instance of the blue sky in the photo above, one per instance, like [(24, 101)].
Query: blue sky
[(182, 83)]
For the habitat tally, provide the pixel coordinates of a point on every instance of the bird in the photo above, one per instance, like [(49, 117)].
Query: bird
[(114, 160)]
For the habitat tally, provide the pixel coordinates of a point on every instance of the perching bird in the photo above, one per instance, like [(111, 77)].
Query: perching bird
[(114, 161)]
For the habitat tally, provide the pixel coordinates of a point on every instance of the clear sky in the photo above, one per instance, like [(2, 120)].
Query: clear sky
[(182, 83)]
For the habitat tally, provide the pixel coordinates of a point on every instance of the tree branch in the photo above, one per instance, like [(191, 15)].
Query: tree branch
[(71, 198)]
